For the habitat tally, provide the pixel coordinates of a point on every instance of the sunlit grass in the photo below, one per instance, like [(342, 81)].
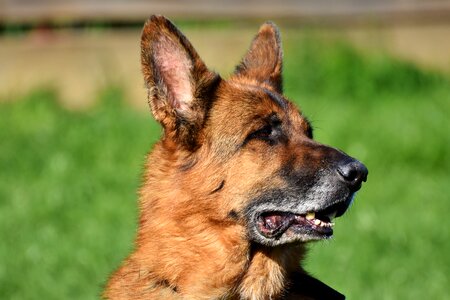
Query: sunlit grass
[(68, 180)]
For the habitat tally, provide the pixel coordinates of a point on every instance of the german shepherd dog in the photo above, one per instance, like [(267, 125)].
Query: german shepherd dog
[(236, 186)]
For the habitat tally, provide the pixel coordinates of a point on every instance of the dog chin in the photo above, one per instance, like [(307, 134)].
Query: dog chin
[(289, 238)]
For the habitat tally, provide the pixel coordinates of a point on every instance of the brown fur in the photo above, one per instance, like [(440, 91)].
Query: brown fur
[(192, 240)]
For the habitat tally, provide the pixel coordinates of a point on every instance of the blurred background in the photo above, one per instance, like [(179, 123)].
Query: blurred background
[(373, 76)]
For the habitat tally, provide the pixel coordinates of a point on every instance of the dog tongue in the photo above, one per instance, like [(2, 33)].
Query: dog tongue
[(273, 221)]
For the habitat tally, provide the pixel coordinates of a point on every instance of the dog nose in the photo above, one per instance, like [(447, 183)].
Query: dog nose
[(353, 173)]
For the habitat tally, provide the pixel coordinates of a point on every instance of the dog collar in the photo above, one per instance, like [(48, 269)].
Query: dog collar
[(306, 285)]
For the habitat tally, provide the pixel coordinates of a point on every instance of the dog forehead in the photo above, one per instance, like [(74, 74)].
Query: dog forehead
[(246, 102), (242, 101)]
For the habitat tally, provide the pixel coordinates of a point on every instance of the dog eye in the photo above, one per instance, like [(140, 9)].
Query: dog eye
[(263, 133), (269, 133)]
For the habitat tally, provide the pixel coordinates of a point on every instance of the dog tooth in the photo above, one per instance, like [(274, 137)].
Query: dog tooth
[(310, 216), (317, 222)]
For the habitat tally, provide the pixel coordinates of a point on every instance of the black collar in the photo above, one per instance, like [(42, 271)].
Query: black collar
[(305, 285)]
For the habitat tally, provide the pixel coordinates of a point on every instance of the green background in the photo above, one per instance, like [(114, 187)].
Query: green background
[(68, 180)]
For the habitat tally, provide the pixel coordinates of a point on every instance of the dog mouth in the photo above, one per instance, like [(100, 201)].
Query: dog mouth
[(312, 225), (274, 224)]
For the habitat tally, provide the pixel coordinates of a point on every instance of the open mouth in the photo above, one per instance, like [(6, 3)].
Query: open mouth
[(311, 225), (274, 224)]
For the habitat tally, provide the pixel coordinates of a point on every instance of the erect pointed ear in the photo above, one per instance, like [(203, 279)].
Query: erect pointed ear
[(179, 84), (263, 61)]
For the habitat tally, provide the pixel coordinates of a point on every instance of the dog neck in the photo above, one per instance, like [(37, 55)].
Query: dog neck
[(232, 271), (269, 270), (209, 265)]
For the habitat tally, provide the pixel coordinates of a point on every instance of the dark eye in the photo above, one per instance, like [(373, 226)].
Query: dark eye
[(270, 133), (263, 133)]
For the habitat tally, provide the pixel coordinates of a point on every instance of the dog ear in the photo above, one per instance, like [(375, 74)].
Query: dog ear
[(178, 82), (263, 61)]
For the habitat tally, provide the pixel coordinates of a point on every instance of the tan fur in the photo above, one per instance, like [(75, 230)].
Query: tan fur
[(214, 260), (192, 241)]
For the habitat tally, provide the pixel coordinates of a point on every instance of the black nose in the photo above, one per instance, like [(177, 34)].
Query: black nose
[(353, 173)]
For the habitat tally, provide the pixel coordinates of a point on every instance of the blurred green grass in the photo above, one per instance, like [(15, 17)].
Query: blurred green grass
[(68, 180)]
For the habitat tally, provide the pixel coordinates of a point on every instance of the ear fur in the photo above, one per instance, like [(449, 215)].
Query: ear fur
[(178, 82), (263, 61)]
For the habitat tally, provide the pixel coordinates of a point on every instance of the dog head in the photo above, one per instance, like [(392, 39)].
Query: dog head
[(241, 152)]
